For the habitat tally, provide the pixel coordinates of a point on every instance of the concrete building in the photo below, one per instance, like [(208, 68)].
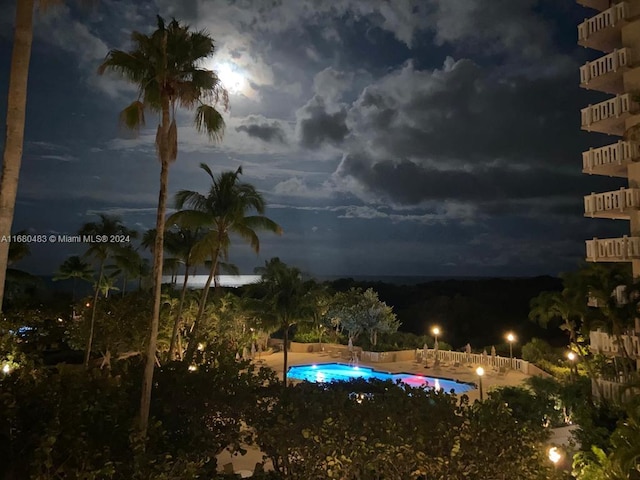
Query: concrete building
[(614, 30)]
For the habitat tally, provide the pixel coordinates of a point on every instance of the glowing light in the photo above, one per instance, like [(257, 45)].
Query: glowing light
[(435, 331), (511, 337), (554, 455), (60, 320), (6, 368), (571, 356), (480, 371), (314, 366), (231, 77), (201, 346), (192, 368)]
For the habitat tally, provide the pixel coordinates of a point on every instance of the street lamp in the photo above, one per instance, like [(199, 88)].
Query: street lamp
[(480, 373), (554, 455), (436, 332), (573, 368), (511, 338)]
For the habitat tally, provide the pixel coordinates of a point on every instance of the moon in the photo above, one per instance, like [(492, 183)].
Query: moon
[(232, 78)]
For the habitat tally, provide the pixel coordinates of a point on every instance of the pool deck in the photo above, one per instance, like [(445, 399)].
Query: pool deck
[(462, 373)]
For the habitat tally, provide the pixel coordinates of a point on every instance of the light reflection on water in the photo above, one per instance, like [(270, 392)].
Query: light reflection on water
[(332, 372)]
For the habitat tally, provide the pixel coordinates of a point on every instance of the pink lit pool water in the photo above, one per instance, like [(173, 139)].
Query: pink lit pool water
[(338, 372)]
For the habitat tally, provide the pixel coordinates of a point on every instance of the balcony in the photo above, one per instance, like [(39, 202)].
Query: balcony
[(602, 31), (613, 391), (609, 116), (619, 294), (605, 73), (622, 249), (611, 160), (615, 205), (601, 342), (599, 5)]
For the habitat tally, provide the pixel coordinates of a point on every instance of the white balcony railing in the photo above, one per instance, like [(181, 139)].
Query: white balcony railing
[(608, 116), (607, 19), (601, 342), (613, 391), (615, 204), (604, 65), (622, 249), (608, 160)]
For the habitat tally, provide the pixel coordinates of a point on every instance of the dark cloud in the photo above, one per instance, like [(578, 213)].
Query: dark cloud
[(317, 126), (267, 131)]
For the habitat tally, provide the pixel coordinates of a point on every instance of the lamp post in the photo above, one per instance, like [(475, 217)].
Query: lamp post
[(572, 358), (436, 332), (511, 338), (480, 373)]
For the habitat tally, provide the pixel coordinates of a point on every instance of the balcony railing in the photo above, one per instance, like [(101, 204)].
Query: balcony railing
[(613, 391), (601, 342), (619, 294), (608, 116), (605, 73), (611, 160), (616, 204), (601, 31), (622, 249)]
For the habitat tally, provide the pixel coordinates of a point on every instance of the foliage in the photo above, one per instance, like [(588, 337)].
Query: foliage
[(77, 424), (361, 429), (538, 350), (120, 325), (361, 312)]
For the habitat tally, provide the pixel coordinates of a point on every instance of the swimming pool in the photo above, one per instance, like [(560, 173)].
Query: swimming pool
[(338, 372)]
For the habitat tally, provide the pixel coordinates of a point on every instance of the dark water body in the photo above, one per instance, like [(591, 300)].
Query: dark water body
[(399, 279)]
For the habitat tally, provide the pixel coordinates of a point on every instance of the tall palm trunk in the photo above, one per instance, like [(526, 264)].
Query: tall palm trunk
[(286, 348), (87, 354), (124, 283), (147, 380), (14, 136), (193, 340), (176, 322)]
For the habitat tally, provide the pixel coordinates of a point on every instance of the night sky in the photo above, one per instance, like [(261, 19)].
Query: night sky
[(404, 137)]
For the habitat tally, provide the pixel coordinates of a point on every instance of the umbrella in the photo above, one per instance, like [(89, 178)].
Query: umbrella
[(424, 352), (493, 355), (467, 349), (350, 346), (253, 349)]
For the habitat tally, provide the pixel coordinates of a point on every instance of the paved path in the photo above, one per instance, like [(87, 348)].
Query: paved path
[(463, 373)]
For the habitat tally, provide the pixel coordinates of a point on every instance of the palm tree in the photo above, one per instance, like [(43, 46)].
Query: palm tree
[(101, 251), (76, 269), (166, 67), (223, 211), (16, 115), (286, 299), (126, 262), (182, 241)]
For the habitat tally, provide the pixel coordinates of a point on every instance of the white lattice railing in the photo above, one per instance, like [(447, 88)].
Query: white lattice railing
[(603, 65), (615, 154), (612, 108), (613, 391), (601, 342), (606, 19), (612, 202), (622, 249)]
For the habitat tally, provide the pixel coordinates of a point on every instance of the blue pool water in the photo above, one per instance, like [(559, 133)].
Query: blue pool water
[(336, 372)]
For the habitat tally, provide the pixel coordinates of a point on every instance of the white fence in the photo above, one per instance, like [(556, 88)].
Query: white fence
[(463, 358)]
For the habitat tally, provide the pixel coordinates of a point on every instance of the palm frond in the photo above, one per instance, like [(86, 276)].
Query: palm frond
[(208, 120), (132, 116)]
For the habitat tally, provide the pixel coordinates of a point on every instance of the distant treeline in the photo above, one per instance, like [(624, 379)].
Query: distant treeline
[(478, 311)]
